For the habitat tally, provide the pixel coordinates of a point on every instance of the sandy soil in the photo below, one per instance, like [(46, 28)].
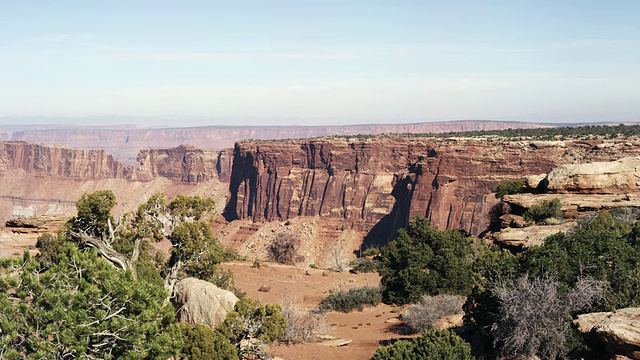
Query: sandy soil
[(366, 329)]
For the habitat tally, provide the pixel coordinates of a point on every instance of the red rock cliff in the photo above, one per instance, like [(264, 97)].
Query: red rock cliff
[(186, 163), (379, 184), (44, 160), (182, 164)]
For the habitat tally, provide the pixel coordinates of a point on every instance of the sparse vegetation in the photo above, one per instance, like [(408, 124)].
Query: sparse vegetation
[(352, 299), (302, 325), (424, 315), (284, 249), (547, 210), (363, 265), (338, 258), (508, 188), (533, 317)]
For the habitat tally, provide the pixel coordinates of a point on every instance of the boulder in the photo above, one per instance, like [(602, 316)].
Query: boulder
[(618, 332), (612, 177), (201, 302), (533, 181), (514, 221)]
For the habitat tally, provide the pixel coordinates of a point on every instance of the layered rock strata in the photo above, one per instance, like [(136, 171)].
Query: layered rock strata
[(124, 142), (186, 163), (183, 163), (379, 184)]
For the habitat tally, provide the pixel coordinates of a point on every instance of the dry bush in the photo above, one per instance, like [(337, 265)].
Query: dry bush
[(302, 325), (423, 315), (339, 260), (284, 248), (533, 318)]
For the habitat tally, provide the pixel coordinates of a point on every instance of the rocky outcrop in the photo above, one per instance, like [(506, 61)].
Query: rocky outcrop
[(182, 164), (201, 302), (613, 177), (573, 203), (618, 332), (525, 237), (378, 184), (44, 160), (37, 225), (186, 163)]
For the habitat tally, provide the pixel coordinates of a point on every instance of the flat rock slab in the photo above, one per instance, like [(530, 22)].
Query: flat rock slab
[(618, 331), (336, 342), (532, 235)]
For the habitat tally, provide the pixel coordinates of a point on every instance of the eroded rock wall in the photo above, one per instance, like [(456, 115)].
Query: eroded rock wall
[(44, 160), (379, 184), (186, 163)]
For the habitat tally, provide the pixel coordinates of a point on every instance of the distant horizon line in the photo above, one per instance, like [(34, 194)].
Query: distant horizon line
[(167, 126)]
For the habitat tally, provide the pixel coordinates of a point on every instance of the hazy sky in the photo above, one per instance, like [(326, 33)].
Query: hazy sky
[(319, 61)]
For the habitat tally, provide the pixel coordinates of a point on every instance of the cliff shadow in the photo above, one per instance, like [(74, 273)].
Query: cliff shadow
[(385, 230)]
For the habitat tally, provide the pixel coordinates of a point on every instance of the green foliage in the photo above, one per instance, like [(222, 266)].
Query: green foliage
[(432, 345), (352, 299), (552, 133), (202, 343), (363, 265), (94, 212), (603, 249), (508, 188), (194, 207), (49, 247), (250, 327), (548, 209), (372, 251), (426, 261), (82, 307)]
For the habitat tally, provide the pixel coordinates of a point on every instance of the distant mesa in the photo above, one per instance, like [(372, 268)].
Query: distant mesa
[(124, 143)]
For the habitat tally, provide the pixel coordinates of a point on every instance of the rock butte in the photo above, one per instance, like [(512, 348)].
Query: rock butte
[(378, 184), (372, 185)]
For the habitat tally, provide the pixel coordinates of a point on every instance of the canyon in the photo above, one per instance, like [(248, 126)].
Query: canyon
[(351, 191), (125, 142)]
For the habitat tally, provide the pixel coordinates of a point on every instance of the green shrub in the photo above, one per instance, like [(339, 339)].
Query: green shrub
[(202, 343), (508, 188), (426, 261), (363, 265), (372, 251), (432, 345), (356, 298), (251, 328), (548, 209)]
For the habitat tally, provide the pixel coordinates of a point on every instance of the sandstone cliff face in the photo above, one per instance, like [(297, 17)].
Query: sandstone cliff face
[(379, 184), (186, 163), (124, 142), (43, 160), (183, 164)]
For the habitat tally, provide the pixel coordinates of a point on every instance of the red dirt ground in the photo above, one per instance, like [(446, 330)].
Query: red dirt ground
[(308, 286)]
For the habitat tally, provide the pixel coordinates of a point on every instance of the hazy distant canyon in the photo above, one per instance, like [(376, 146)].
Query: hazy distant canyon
[(124, 143)]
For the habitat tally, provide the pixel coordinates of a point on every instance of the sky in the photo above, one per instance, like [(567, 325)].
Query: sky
[(307, 62)]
